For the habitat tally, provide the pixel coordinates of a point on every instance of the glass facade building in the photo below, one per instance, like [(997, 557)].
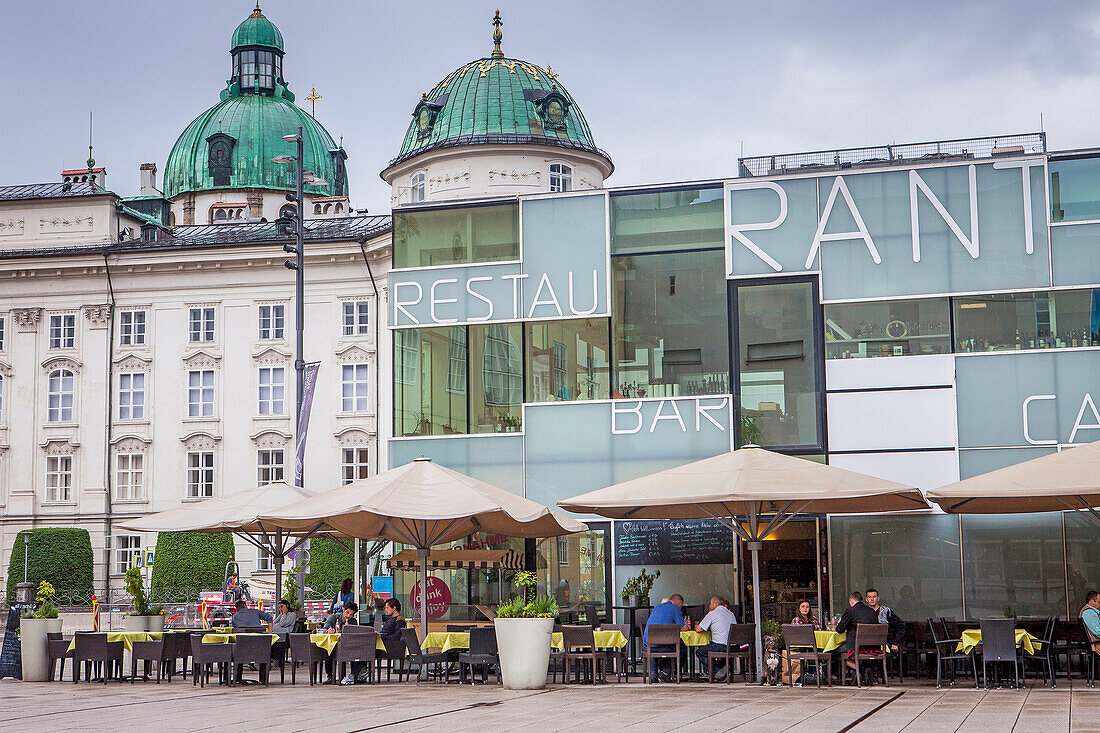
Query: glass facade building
[(923, 313)]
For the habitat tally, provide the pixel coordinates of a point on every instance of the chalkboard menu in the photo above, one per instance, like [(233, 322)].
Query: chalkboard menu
[(11, 659), (673, 542)]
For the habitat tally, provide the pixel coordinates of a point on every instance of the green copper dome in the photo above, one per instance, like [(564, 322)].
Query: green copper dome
[(497, 100), (257, 30)]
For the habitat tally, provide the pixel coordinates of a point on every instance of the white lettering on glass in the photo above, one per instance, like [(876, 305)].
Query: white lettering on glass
[(971, 243), (1077, 425), (479, 296), (399, 305), (1025, 167), (595, 295), (515, 290), (839, 186), (553, 299), (620, 408), (658, 416), (738, 230), (1027, 431), (434, 301), (701, 410)]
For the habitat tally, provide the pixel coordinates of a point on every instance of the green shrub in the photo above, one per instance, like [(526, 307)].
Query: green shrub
[(60, 555), (191, 560), (329, 563)]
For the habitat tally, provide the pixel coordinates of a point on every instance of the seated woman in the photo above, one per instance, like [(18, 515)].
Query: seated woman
[(804, 616)]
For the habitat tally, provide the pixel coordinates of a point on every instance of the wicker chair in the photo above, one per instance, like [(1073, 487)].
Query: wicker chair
[(664, 635), (870, 646), (947, 653), (615, 657), (205, 655), (740, 644), (302, 650), (579, 644), (147, 652), (999, 646), (420, 658), (801, 646), (482, 653), (360, 645), (94, 650), (256, 650), (57, 647)]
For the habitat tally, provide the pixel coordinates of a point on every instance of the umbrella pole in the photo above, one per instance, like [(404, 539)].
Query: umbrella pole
[(278, 567), (422, 556), (754, 547)]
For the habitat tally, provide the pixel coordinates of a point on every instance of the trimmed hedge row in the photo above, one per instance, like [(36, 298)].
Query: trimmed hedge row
[(191, 560), (329, 563), (61, 555)]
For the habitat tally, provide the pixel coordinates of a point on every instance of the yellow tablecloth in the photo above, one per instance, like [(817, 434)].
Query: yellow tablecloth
[(603, 639), (229, 638), (446, 641), (127, 638), (327, 642), (973, 637), (827, 641), (695, 638)]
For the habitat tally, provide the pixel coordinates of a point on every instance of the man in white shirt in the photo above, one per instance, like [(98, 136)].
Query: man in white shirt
[(717, 622)]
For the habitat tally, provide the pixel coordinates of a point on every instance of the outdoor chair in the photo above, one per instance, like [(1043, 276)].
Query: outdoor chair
[(615, 657), (177, 646), (557, 659), (666, 635), (591, 617), (395, 652), (869, 646), (801, 646), (1070, 640), (460, 628), (695, 613), (947, 653), (147, 652), (250, 630), (302, 650), (482, 653), (205, 655), (420, 658), (57, 648), (1043, 630), (999, 646), (740, 644), (356, 646), (94, 650), (918, 643), (253, 650), (579, 645)]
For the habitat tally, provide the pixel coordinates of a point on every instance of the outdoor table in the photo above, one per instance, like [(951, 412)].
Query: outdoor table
[(126, 637), (328, 642), (445, 641), (828, 641), (230, 638), (630, 612), (973, 637)]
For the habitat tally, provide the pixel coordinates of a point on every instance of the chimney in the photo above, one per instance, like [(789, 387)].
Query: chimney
[(149, 180)]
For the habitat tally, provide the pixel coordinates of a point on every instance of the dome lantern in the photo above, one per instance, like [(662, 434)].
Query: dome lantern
[(257, 51)]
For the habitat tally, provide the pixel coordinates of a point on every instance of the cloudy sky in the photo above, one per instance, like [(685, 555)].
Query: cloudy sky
[(671, 90)]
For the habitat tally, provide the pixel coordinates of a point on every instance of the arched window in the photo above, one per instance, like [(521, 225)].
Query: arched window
[(61, 389), (316, 208), (416, 186), (339, 208), (328, 208), (219, 215), (287, 211), (561, 178)]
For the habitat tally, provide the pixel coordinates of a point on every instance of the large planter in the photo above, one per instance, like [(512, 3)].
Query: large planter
[(32, 643), (154, 623), (523, 645), (135, 623)]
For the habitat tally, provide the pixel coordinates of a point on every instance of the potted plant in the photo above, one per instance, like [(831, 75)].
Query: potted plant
[(636, 590), (524, 627), (142, 617), (33, 628)]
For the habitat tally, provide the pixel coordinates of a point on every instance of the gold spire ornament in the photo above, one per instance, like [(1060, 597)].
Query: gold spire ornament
[(257, 13), (312, 98), (497, 36)]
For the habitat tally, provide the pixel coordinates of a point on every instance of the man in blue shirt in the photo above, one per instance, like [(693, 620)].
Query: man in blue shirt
[(1090, 616), (668, 612)]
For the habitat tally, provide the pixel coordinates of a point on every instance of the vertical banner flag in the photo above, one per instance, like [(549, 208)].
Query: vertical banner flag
[(309, 381)]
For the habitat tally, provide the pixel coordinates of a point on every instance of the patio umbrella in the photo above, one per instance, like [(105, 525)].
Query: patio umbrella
[(237, 513), (749, 486), (421, 504), (1068, 479)]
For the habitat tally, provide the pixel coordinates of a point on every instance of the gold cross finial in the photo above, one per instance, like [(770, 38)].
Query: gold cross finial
[(313, 97), (497, 36), (551, 73)]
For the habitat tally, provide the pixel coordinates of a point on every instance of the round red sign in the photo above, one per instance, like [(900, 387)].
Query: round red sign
[(439, 598)]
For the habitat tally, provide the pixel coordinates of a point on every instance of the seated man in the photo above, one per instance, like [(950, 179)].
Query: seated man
[(666, 612), (245, 616), (391, 628), (333, 625), (886, 616), (857, 612), (1090, 616), (717, 622), (286, 620)]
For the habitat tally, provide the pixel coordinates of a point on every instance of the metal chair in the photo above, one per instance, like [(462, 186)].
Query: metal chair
[(740, 644), (360, 645), (1043, 630), (205, 655), (999, 646), (482, 653), (94, 650), (395, 652), (57, 647), (253, 650), (947, 653), (579, 644), (420, 658), (177, 646), (147, 652), (302, 650), (870, 645), (661, 635), (801, 646), (591, 617)]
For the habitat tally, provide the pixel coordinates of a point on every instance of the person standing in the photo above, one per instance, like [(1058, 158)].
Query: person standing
[(342, 597), (717, 622), (666, 612)]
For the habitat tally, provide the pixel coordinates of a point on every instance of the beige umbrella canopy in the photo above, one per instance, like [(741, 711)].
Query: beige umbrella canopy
[(237, 513), (1068, 479), (421, 504), (749, 486)]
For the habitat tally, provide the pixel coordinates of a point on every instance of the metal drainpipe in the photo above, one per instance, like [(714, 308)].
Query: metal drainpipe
[(110, 423)]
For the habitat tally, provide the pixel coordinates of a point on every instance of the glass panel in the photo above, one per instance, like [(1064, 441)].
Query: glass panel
[(427, 400), (887, 328), (456, 236), (571, 569), (496, 378), (1042, 320), (913, 562), (667, 220), (1082, 560), (778, 394), (1013, 563), (567, 360), (671, 327), (1074, 189)]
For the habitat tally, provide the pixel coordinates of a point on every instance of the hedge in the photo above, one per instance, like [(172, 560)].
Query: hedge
[(191, 560), (329, 563), (61, 555)]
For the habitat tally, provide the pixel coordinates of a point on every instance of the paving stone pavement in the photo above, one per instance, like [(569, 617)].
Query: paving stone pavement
[(179, 706)]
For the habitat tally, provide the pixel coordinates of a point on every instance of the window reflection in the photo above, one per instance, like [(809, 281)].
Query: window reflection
[(1040, 320), (567, 360), (1075, 189), (663, 221), (429, 390), (456, 236), (1013, 565), (496, 378), (572, 568), (887, 328)]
